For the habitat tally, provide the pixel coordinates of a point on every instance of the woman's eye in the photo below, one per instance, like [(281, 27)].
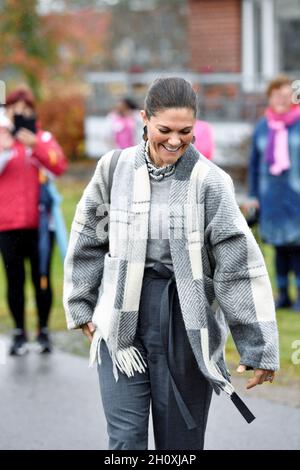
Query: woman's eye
[(164, 131)]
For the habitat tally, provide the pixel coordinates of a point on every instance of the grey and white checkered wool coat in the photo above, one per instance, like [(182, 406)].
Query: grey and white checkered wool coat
[(220, 273)]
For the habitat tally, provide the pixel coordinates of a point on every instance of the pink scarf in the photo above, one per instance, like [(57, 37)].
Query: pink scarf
[(277, 151)]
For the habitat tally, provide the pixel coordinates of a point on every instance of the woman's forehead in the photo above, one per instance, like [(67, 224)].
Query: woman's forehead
[(285, 90), (174, 117)]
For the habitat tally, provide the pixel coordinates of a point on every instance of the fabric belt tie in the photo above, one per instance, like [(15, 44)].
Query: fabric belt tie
[(166, 312)]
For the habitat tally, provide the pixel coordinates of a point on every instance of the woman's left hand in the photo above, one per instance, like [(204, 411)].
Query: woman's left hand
[(26, 137), (6, 139), (260, 376)]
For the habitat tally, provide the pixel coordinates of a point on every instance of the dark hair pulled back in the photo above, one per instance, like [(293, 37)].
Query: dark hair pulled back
[(171, 92)]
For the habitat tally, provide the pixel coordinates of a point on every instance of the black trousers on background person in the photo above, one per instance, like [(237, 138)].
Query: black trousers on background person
[(15, 247), (287, 259)]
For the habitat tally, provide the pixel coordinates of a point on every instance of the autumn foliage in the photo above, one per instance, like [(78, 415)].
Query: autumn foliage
[(64, 116), (51, 53), (26, 48), (43, 48)]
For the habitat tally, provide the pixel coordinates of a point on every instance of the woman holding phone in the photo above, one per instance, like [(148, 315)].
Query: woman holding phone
[(26, 152)]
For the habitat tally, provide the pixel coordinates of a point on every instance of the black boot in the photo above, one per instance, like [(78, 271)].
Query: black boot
[(19, 345), (283, 300), (44, 344)]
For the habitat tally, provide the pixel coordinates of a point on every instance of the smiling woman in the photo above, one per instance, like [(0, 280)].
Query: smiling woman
[(169, 118), (170, 132), (158, 326)]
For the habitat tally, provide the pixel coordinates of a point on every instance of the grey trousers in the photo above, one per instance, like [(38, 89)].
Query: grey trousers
[(126, 402)]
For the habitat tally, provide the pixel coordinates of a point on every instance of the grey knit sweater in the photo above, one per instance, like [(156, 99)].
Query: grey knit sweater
[(158, 246)]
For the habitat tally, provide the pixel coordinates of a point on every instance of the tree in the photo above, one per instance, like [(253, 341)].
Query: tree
[(25, 46)]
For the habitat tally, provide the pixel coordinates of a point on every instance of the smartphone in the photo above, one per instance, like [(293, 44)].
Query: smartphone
[(21, 121)]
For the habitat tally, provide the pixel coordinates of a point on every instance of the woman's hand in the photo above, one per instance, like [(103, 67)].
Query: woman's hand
[(6, 139), (88, 330), (26, 137), (260, 376), (249, 204)]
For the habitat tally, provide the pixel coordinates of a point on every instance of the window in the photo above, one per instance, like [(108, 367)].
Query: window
[(287, 23)]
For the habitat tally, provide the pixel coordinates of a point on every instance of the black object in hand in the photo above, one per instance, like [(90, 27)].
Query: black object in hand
[(21, 121), (252, 216)]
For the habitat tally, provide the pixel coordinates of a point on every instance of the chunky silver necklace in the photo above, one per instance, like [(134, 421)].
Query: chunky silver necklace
[(157, 172)]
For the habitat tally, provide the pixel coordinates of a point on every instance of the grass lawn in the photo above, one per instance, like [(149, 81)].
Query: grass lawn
[(71, 189)]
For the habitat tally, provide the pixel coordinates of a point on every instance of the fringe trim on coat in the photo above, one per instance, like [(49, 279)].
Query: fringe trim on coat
[(128, 360)]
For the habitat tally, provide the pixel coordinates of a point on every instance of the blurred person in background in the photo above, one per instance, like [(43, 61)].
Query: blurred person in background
[(204, 139), (274, 184), (27, 153), (123, 125)]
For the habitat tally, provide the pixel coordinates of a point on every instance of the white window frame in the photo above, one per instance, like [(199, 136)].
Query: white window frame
[(253, 80), (269, 68), (248, 57)]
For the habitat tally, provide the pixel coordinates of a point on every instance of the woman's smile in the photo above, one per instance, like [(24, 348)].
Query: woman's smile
[(170, 149), (169, 132)]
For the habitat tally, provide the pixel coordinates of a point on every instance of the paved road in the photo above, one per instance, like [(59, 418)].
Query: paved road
[(53, 402)]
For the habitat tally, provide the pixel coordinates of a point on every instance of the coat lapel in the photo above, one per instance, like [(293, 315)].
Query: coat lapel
[(183, 227), (138, 233)]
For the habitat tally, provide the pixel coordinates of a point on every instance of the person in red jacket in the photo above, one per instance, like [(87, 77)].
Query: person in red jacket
[(26, 154)]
